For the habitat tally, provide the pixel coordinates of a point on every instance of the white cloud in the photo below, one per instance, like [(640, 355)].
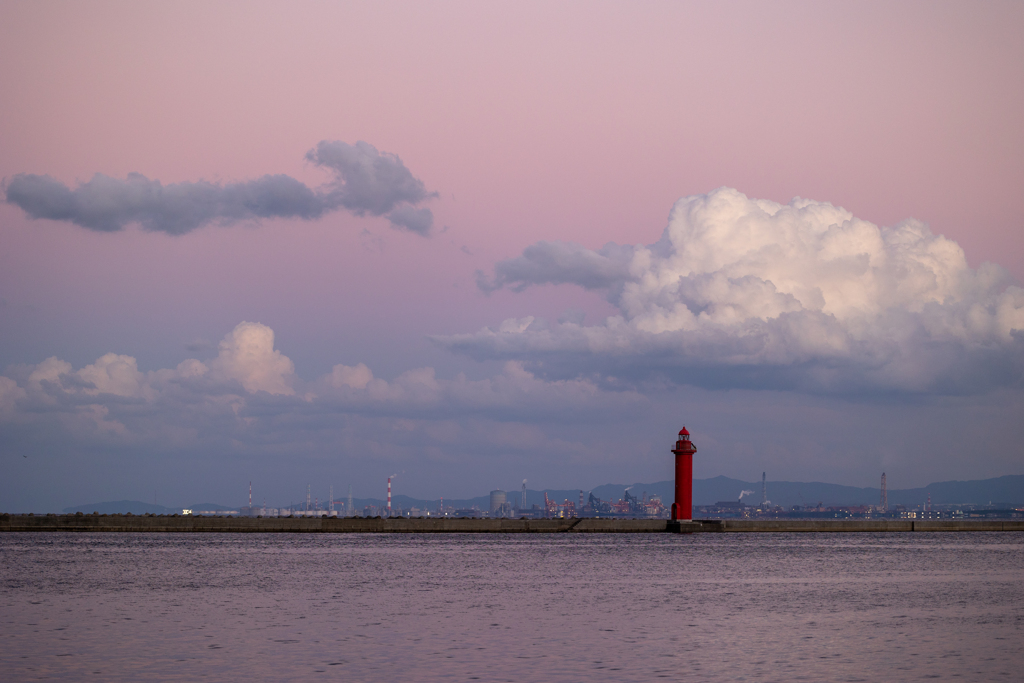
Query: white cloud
[(248, 355), (191, 368), (355, 377), (10, 394), (113, 374), (513, 394), (50, 370), (747, 292)]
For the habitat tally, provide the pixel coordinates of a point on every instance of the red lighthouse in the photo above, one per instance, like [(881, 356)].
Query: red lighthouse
[(682, 509)]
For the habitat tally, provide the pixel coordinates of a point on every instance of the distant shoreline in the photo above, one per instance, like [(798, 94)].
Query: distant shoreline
[(342, 525)]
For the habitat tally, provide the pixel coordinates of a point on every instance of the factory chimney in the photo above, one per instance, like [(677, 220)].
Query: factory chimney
[(885, 496), (764, 492), (682, 508), (389, 493)]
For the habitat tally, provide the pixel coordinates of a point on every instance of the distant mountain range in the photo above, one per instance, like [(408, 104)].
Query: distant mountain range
[(120, 507), (1007, 490)]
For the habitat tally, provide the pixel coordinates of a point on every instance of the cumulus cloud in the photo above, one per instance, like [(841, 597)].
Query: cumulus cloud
[(366, 182), (353, 377), (515, 393), (10, 395), (248, 355), (50, 370), (251, 387), (113, 374), (752, 293)]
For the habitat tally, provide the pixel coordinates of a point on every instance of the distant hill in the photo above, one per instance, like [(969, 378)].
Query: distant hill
[(208, 506), (1006, 489), (120, 507)]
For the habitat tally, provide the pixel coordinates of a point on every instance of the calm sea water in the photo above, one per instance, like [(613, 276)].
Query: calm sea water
[(711, 607)]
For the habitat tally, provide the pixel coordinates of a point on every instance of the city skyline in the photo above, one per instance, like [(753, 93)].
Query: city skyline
[(999, 491)]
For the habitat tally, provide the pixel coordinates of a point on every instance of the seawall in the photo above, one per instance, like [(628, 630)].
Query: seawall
[(179, 524)]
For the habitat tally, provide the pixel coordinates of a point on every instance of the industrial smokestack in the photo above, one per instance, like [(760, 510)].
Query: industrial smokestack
[(389, 493)]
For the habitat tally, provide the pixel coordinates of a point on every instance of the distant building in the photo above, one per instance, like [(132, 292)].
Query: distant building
[(497, 500)]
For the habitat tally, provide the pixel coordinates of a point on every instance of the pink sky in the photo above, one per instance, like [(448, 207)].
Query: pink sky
[(580, 122)]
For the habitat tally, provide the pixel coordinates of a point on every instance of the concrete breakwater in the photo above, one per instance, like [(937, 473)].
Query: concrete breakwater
[(175, 523)]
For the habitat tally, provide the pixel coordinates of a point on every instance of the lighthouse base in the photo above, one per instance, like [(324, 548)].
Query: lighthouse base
[(675, 514)]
